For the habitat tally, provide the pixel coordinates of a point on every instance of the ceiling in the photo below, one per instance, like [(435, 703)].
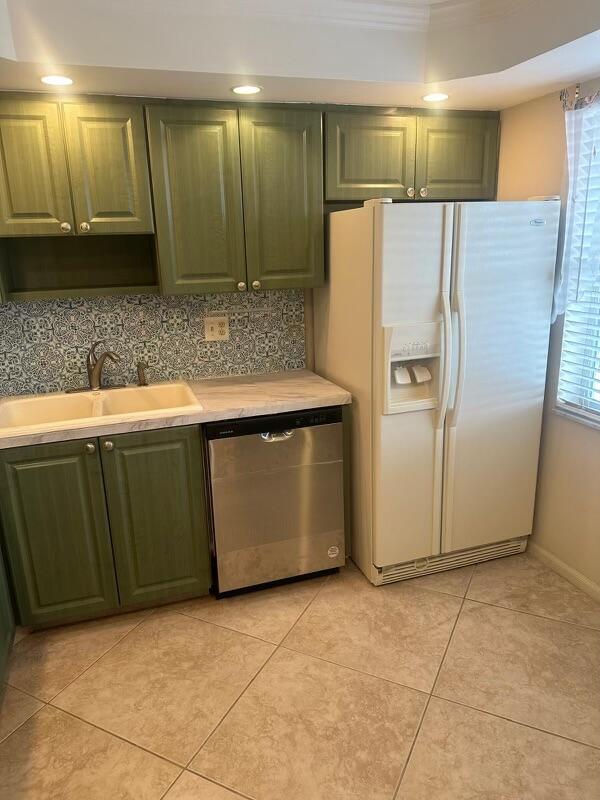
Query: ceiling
[(485, 54)]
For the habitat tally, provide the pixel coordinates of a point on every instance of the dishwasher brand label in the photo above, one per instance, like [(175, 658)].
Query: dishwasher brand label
[(333, 551)]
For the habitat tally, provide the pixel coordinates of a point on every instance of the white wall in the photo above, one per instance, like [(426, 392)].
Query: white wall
[(567, 517)]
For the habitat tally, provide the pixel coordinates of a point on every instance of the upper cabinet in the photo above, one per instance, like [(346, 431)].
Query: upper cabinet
[(370, 155), (457, 157), (108, 187), (35, 197), (282, 152), (195, 161), (441, 156), (106, 148)]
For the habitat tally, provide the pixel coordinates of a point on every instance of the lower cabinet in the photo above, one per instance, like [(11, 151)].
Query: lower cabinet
[(7, 625), (67, 507)]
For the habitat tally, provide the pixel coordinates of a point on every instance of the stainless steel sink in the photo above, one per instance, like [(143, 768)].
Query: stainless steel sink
[(52, 411)]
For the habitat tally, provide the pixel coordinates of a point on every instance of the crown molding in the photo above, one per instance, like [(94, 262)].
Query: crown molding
[(463, 13)]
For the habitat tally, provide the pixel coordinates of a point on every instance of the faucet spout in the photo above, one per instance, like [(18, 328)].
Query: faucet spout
[(96, 364)]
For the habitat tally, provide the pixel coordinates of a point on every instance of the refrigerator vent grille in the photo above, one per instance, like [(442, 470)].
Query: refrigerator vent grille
[(425, 566)]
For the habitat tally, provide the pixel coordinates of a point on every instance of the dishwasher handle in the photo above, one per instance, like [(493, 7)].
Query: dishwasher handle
[(280, 436)]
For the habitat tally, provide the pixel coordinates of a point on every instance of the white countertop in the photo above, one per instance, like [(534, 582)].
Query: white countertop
[(219, 398)]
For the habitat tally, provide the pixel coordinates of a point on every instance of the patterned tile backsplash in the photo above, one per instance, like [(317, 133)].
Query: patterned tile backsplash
[(43, 345)]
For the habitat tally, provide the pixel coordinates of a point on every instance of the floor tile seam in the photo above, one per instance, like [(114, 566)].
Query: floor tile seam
[(533, 614), (20, 725), (101, 656), (170, 786), (417, 732), (236, 792), (245, 689), (226, 628), (119, 736), (27, 692), (517, 722)]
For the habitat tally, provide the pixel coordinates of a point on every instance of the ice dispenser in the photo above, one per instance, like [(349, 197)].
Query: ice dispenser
[(412, 367)]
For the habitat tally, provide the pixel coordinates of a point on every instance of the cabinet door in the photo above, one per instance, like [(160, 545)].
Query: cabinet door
[(196, 181), (35, 196), (369, 155), (106, 148), (56, 530), (282, 169), (156, 504), (457, 158), (7, 624)]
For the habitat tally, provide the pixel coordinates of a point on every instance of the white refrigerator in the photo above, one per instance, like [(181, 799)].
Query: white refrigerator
[(436, 316)]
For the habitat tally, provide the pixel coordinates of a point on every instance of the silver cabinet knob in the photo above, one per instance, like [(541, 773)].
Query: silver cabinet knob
[(424, 191), (241, 286), (90, 447), (410, 191), (65, 227), (256, 284), (84, 227), (108, 445)]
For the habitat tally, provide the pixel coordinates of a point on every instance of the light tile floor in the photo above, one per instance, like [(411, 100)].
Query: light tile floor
[(477, 683)]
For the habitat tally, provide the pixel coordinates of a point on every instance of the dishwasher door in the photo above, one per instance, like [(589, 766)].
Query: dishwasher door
[(277, 497)]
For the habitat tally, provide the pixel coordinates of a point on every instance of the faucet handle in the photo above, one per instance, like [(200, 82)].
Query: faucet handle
[(142, 366)]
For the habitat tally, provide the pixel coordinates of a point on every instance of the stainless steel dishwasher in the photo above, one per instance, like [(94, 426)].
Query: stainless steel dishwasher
[(277, 496)]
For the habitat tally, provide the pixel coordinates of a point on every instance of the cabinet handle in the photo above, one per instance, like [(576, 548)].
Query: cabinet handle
[(410, 191), (84, 227), (90, 447), (241, 286), (424, 191), (256, 284), (65, 227), (108, 445)]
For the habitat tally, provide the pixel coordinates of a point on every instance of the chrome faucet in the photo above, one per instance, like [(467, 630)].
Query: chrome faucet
[(141, 373), (94, 364)]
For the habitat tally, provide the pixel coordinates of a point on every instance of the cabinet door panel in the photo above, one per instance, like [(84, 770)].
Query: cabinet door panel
[(106, 147), (195, 163), (56, 530), (369, 155), (457, 157), (156, 501), (283, 197), (35, 196), (7, 624)]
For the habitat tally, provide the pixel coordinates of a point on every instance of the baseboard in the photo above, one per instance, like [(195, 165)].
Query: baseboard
[(558, 565)]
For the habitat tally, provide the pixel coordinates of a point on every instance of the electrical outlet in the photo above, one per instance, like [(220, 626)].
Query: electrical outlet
[(216, 329)]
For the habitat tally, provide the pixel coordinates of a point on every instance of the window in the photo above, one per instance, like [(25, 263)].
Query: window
[(579, 377)]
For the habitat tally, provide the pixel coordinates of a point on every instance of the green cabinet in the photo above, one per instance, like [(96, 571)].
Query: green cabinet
[(195, 163), (370, 155), (155, 495), (56, 531), (457, 157), (106, 149), (94, 525), (35, 196), (282, 152), (7, 624), (435, 156)]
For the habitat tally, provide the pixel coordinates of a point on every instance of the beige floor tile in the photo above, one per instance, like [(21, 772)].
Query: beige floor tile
[(524, 583), (45, 662), (56, 757), (396, 632), (168, 684), (193, 787), (310, 730), (267, 613), (15, 709), (451, 581), (531, 670), (20, 633), (462, 754)]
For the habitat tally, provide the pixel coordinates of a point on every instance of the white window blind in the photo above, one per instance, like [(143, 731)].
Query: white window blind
[(579, 378)]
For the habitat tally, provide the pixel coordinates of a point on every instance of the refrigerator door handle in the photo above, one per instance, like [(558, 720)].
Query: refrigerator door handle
[(447, 359), (462, 357)]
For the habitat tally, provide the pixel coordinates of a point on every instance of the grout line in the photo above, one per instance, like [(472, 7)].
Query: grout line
[(516, 722), (236, 792), (396, 795), (170, 786), (245, 689), (25, 721), (533, 614), (226, 628), (25, 691)]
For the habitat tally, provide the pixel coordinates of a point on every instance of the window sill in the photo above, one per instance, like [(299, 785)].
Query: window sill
[(590, 419)]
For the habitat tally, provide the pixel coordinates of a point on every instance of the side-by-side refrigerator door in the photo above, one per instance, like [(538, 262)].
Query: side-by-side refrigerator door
[(412, 342), (503, 271)]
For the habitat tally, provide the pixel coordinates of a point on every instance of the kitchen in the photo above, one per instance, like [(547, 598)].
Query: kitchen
[(274, 381)]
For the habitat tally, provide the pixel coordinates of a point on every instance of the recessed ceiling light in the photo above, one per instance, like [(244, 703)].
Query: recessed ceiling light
[(246, 89), (435, 97), (57, 80)]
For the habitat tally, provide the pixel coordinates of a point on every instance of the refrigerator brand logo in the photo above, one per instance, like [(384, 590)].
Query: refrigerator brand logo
[(537, 221)]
